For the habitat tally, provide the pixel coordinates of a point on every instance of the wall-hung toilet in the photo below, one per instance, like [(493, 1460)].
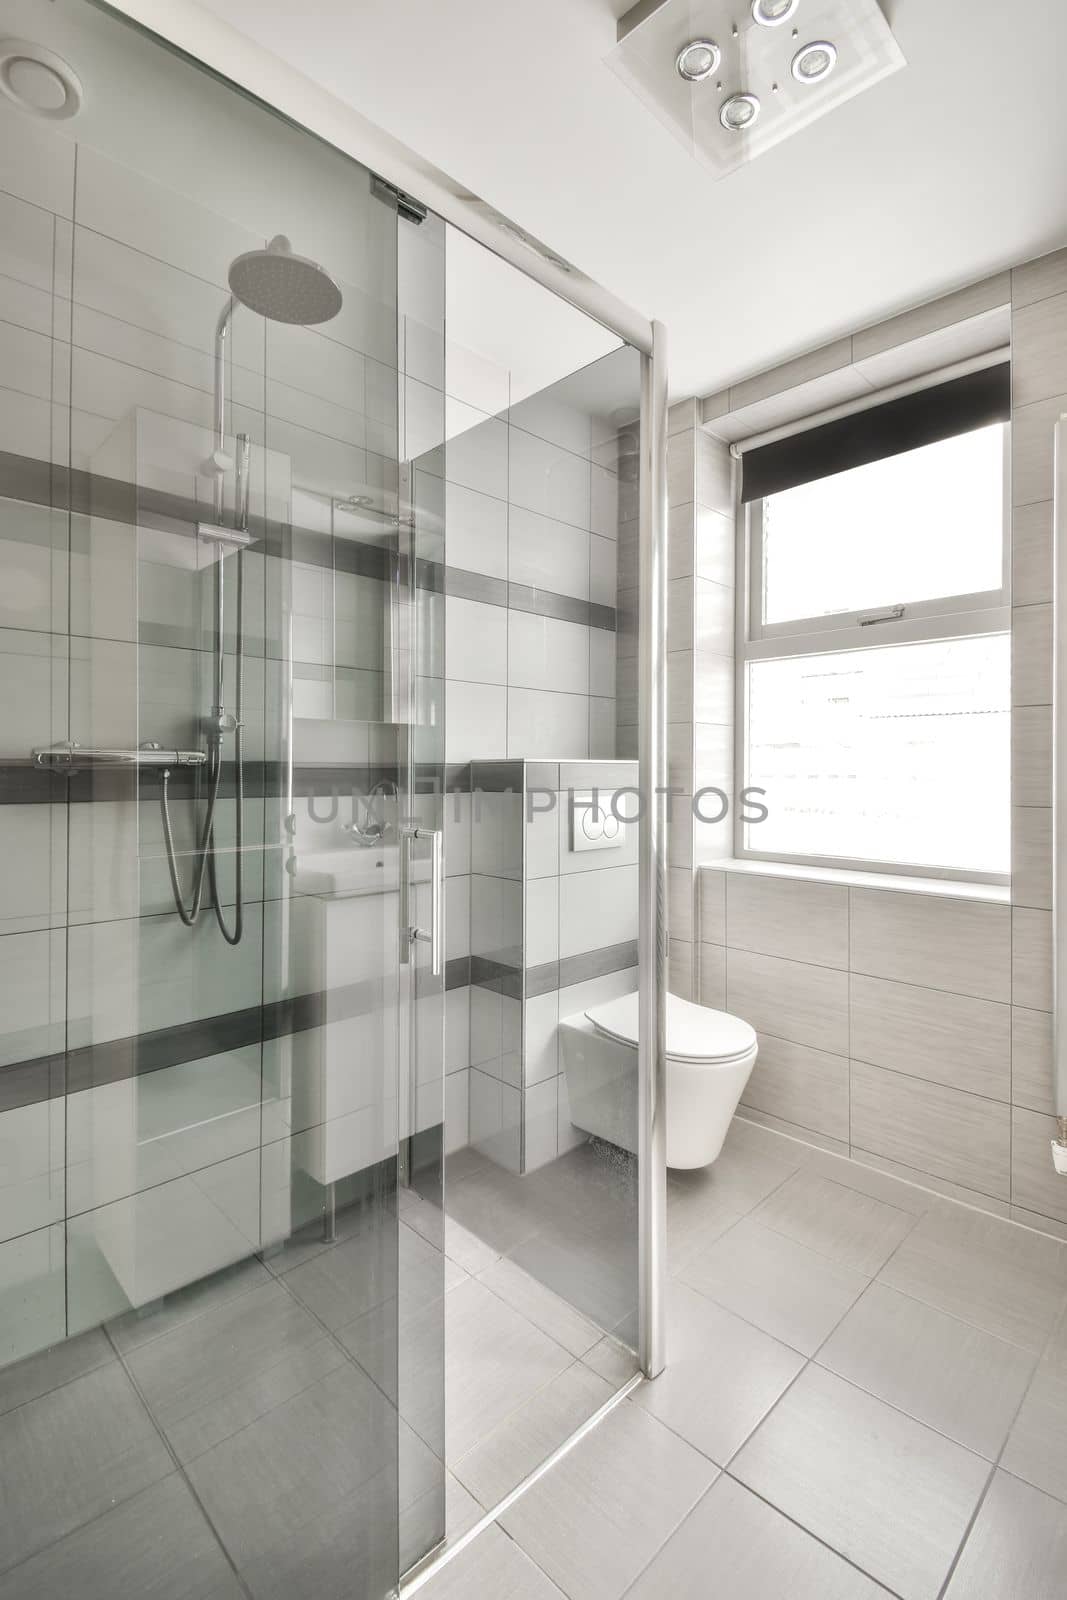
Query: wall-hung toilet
[(710, 1055)]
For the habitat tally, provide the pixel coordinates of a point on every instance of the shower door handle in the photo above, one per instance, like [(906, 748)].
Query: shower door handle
[(409, 933)]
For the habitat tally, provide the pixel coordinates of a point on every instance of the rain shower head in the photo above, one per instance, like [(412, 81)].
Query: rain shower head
[(284, 287)]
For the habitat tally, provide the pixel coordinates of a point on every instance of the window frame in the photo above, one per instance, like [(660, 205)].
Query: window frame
[(949, 617)]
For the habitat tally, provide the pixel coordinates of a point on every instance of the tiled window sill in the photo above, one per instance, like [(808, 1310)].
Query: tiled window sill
[(998, 894)]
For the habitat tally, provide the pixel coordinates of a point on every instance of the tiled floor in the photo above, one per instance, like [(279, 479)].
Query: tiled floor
[(866, 1396), (240, 1437)]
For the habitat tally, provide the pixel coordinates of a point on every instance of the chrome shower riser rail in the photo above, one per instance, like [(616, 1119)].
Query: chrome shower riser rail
[(72, 758)]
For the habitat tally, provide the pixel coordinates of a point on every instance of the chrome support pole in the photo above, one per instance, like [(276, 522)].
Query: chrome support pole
[(1059, 796), (652, 869)]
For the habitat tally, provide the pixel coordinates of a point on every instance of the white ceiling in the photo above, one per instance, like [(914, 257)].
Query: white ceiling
[(940, 175)]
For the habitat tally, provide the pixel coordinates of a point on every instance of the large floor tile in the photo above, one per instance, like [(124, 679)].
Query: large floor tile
[(207, 1380), (136, 1328), (492, 1565), (596, 1520), (545, 1309), (308, 1492), (70, 1455), (790, 1292), (701, 1205), (1017, 1549), (1037, 1446), (157, 1546), (1003, 1278), (946, 1373), (735, 1545), (594, 1271), (39, 1374), (887, 1493), (528, 1435), (722, 1375), (494, 1362), (851, 1228)]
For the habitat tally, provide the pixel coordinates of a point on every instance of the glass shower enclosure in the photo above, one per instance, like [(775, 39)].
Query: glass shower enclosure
[(222, 911)]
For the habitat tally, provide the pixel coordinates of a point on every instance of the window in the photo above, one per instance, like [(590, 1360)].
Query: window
[(877, 655)]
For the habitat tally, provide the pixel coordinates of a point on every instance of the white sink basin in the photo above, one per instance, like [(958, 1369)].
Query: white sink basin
[(345, 872)]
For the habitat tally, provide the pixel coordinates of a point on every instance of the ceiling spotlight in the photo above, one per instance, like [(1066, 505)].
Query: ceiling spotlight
[(697, 60), (815, 61), (739, 112), (770, 13)]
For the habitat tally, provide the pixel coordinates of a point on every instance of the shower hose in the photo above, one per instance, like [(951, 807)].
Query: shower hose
[(205, 852)]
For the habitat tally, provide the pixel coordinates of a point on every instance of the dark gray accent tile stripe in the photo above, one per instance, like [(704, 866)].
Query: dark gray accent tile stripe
[(498, 976), (542, 775), (542, 979), (21, 783), (464, 585), (597, 963), (458, 972), (544, 603), (497, 777)]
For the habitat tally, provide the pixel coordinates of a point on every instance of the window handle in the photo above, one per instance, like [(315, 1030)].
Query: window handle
[(867, 619)]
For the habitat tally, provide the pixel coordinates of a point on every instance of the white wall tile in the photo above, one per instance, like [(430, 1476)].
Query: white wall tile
[(476, 641), (544, 724), (476, 531), (540, 1027), (597, 909), (547, 554), (540, 1124), (544, 653), (476, 721), (543, 477), (542, 921)]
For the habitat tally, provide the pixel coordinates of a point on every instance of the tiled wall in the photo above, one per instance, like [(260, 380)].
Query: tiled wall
[(551, 932), (531, 509), (173, 1148), (915, 1029), (910, 1030)]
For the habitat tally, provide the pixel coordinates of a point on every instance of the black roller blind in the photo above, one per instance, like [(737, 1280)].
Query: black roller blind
[(940, 412)]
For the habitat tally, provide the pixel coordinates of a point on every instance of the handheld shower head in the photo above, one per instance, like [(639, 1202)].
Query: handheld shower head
[(284, 287)]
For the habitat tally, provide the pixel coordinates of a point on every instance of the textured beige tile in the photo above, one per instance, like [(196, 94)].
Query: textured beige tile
[(1038, 279), (791, 1292), (1031, 449), (962, 945), (942, 313), (788, 917), (857, 1473), (755, 1553), (875, 1181), (1037, 1447), (492, 1564), (805, 1004), (961, 1137), (806, 1087), (523, 1439), (714, 474), (964, 1383), (680, 968), (702, 1204), (596, 1520), (715, 554), (994, 1274), (1017, 1549), (929, 353), (1031, 667), (713, 976), (1039, 350), (791, 374), (1035, 1184), (1031, 856), (715, 1405), (681, 469), (1031, 1060), (846, 1226), (712, 889), (1031, 959), (680, 891), (952, 1039), (793, 1130), (1031, 554), (1031, 756)]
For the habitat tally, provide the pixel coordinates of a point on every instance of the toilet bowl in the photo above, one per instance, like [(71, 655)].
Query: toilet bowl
[(710, 1055)]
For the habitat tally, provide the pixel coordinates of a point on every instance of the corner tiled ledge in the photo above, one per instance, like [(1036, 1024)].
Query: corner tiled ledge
[(945, 888)]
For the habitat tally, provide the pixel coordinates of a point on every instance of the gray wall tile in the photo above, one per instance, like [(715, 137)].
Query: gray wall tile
[(1031, 958), (956, 1136), (804, 1004), (1031, 1059), (947, 1038), (941, 943), (790, 917), (800, 1085)]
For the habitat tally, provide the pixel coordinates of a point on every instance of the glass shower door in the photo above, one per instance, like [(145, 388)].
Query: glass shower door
[(207, 1001)]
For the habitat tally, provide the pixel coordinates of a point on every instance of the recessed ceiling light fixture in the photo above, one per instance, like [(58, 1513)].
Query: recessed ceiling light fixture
[(739, 112), (38, 80), (697, 60), (814, 62), (771, 13)]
